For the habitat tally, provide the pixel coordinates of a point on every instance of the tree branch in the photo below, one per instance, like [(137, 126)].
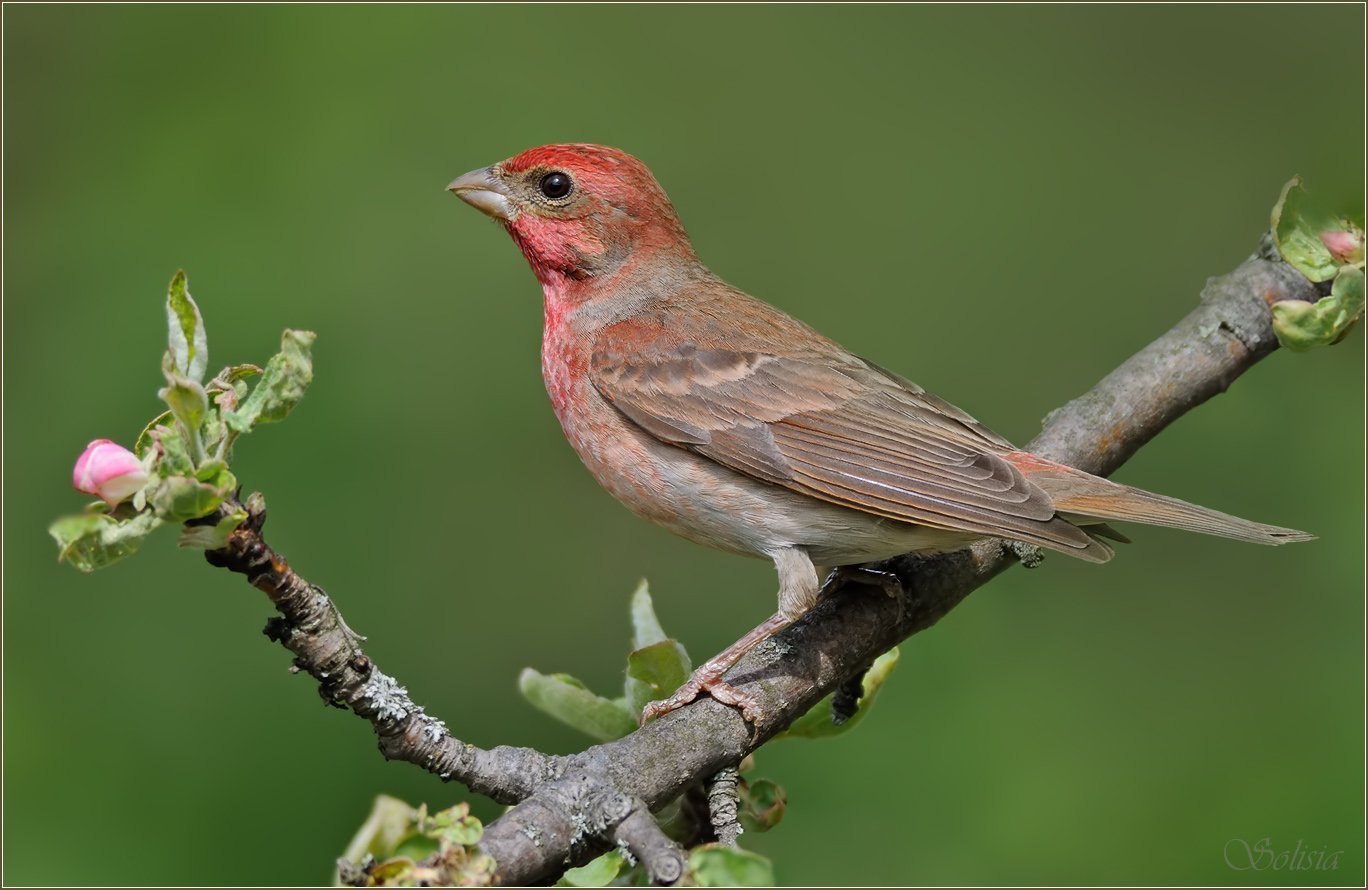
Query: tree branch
[(313, 629), (569, 808)]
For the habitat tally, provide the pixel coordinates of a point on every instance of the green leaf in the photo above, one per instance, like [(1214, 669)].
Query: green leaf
[(391, 820), (455, 826), (145, 439), (186, 338), (1301, 325), (598, 872), (187, 400), (658, 669), (91, 541), (232, 375), (713, 865), (397, 872), (212, 537), (175, 457), (646, 631), (566, 699), (646, 627), (816, 723), (1348, 294), (283, 383), (763, 804), (1297, 237), (415, 848), (181, 498), (226, 391)]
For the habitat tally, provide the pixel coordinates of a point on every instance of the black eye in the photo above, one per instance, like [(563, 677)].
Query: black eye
[(555, 185)]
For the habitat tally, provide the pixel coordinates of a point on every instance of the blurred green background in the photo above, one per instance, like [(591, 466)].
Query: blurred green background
[(1001, 203)]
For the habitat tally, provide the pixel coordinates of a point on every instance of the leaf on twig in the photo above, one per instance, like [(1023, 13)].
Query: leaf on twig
[(816, 723), (763, 804), (713, 865), (212, 537), (1297, 238), (1301, 325), (646, 627), (186, 338), (402, 846), (570, 702), (658, 670), (650, 673), (598, 872), (183, 497), (283, 383), (91, 541)]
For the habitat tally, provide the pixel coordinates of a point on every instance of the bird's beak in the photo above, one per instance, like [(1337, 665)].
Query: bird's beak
[(485, 192)]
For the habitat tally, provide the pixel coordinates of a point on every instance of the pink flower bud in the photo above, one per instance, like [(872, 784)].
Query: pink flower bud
[(109, 471), (1345, 247)]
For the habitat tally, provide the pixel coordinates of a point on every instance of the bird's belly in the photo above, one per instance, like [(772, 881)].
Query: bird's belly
[(710, 504)]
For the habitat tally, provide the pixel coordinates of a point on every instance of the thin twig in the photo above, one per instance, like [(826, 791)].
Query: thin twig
[(723, 804), (311, 627)]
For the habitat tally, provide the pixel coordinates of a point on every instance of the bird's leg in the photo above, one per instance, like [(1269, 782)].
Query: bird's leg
[(708, 678), (797, 593)]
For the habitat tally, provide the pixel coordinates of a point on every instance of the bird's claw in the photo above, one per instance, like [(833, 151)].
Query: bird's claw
[(720, 690), (887, 581)]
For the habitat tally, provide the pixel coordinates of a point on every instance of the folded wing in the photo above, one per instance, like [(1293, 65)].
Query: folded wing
[(836, 428)]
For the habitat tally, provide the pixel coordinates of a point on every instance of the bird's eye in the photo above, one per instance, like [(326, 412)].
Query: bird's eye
[(555, 185)]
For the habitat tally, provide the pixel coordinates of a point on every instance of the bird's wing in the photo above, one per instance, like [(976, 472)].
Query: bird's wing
[(837, 428)]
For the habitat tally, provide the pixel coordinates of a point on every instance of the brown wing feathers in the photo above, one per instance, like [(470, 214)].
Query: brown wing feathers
[(852, 435)]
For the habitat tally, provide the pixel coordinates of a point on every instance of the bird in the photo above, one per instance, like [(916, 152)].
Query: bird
[(727, 421)]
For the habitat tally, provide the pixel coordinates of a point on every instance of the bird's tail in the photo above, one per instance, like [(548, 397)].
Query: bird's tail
[(1083, 498)]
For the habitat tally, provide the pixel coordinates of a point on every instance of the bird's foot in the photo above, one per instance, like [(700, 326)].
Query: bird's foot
[(887, 581), (716, 687), (708, 678)]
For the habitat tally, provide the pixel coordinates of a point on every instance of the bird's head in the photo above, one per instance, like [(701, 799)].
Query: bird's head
[(577, 211)]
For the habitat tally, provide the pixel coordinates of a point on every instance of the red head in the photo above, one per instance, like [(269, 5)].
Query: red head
[(576, 211)]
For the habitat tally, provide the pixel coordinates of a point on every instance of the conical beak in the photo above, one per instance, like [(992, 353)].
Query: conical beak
[(485, 192)]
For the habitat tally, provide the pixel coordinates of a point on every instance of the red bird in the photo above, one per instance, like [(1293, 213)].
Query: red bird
[(734, 425)]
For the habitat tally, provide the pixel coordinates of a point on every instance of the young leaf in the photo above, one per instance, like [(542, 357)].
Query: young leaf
[(91, 541), (1301, 325), (390, 821), (229, 377), (566, 699), (212, 537), (763, 804), (180, 498), (598, 872), (1348, 294), (658, 669), (145, 438), (171, 456), (188, 402), (646, 627), (816, 723), (186, 338), (454, 826), (283, 383), (713, 865), (1298, 239)]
